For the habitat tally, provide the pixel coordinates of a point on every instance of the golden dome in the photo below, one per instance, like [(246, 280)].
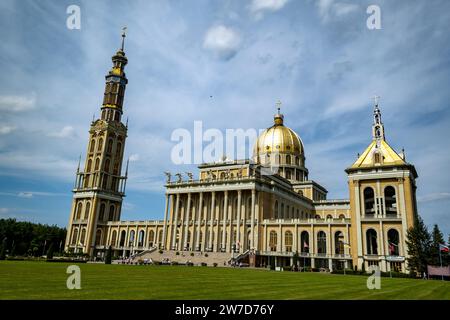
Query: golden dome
[(278, 138)]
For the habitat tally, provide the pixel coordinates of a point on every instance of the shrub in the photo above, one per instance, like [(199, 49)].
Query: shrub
[(156, 263), (287, 268), (203, 264), (108, 255), (190, 264), (215, 264), (174, 263), (192, 254)]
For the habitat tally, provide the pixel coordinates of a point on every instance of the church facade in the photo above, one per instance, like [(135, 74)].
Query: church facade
[(264, 210)]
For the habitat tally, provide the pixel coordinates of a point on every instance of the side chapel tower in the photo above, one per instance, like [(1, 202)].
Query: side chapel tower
[(99, 188), (383, 205)]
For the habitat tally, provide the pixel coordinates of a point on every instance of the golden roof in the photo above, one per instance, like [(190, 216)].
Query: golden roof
[(278, 138), (389, 156)]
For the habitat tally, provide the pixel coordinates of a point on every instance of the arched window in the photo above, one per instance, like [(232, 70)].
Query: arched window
[(304, 238), (282, 211), (390, 201), (92, 147), (131, 240), (288, 241), (107, 162), (118, 149), (321, 243), (369, 200), (317, 216), (98, 237), (97, 164), (341, 217), (100, 144), (101, 214), (79, 208), (83, 235), (297, 161), (89, 165), (74, 236), (111, 213), (288, 159), (377, 158), (110, 145), (273, 241), (329, 217), (339, 243), (276, 210), (371, 242), (114, 238), (123, 236), (86, 211), (288, 174), (141, 238), (151, 238), (393, 241)]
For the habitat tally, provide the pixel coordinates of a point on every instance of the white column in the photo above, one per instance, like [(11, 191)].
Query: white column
[(252, 241), (238, 231), (211, 221), (224, 223), (166, 210), (199, 221), (186, 221), (175, 224)]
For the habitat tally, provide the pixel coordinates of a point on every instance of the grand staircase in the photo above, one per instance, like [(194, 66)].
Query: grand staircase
[(210, 258)]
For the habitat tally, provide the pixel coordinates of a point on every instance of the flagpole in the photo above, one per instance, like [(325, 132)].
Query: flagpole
[(440, 260)]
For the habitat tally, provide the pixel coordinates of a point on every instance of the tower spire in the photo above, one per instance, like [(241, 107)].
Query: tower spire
[(377, 127), (116, 82), (124, 34)]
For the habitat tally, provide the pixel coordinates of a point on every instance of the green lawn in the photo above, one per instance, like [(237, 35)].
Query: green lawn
[(42, 280)]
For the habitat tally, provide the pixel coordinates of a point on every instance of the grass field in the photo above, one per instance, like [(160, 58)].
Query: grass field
[(42, 280)]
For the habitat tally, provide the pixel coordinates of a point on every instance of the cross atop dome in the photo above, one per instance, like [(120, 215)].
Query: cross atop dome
[(278, 118)]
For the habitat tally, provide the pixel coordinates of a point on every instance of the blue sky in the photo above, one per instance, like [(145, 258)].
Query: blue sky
[(317, 57)]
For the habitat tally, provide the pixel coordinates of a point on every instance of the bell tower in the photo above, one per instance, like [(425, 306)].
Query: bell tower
[(100, 187), (383, 205)]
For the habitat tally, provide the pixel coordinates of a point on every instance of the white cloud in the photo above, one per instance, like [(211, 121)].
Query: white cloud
[(7, 129), (25, 195), (134, 157), (223, 41), (434, 197), (330, 9), (17, 103), (258, 6), (66, 132)]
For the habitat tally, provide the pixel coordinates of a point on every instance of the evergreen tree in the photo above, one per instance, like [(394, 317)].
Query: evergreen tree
[(437, 238), (108, 255), (3, 250), (418, 243), (50, 251)]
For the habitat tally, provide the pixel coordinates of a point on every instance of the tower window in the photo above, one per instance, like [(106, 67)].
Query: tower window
[(390, 201), (393, 240), (102, 212), (369, 201), (92, 147), (100, 144), (273, 241), (371, 239), (111, 213)]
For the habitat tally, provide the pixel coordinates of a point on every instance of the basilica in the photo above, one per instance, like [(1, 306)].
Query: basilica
[(263, 211)]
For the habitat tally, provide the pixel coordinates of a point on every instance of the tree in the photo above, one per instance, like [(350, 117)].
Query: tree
[(50, 251), (108, 255), (3, 250), (418, 243), (437, 238)]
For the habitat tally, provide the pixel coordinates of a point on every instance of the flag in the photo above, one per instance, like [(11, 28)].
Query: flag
[(347, 245), (443, 248), (305, 245)]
